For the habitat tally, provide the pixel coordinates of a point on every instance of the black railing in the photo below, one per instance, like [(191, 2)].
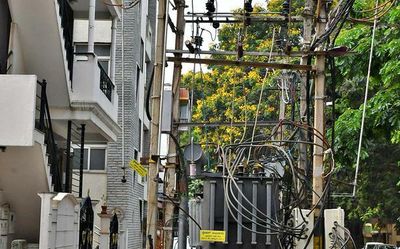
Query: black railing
[(44, 124), (67, 24), (75, 160), (106, 85)]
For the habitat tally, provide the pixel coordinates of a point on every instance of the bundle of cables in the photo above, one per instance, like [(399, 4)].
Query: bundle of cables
[(275, 157)]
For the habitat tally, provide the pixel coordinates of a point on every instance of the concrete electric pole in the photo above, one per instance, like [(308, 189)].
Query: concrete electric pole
[(173, 160), (319, 121), (152, 183)]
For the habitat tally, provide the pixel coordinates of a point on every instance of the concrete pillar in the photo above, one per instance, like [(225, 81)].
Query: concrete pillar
[(45, 222), (113, 47), (92, 18), (104, 230)]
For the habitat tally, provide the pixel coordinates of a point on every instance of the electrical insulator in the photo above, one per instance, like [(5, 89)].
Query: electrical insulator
[(220, 167), (215, 25), (240, 169), (210, 7), (239, 50), (247, 21), (285, 8), (248, 6), (189, 45), (198, 41)]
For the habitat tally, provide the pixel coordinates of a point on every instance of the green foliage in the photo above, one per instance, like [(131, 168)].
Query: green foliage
[(377, 189)]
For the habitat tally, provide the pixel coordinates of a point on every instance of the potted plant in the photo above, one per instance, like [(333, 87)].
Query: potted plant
[(104, 204)]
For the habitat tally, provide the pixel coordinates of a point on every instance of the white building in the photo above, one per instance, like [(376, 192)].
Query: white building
[(40, 140)]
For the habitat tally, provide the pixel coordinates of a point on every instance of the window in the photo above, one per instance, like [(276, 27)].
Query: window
[(140, 135), (94, 157), (141, 54), (137, 84)]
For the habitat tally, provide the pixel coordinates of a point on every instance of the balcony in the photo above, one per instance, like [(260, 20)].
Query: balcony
[(104, 8), (93, 97)]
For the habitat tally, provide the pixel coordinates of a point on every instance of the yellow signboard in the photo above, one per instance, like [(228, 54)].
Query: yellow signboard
[(138, 167), (212, 235)]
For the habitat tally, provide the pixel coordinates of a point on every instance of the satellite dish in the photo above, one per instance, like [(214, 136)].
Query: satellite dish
[(193, 153)]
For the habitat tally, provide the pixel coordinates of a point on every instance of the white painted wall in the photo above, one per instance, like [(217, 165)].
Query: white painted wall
[(42, 45), (27, 164), (16, 60), (59, 221), (102, 31), (17, 109)]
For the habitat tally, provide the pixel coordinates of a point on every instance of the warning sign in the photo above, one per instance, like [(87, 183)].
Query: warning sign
[(135, 165), (212, 235)]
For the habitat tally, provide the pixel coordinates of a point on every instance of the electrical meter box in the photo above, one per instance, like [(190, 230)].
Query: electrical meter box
[(303, 216), (334, 219)]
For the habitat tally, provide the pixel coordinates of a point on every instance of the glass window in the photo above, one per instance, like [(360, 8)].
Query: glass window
[(140, 134), (102, 49), (137, 84), (141, 54), (104, 64), (97, 159), (77, 157)]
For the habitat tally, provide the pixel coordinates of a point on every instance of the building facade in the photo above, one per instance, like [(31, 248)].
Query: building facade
[(73, 82), (126, 190)]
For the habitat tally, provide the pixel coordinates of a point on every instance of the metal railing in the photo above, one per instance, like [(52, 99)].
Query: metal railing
[(44, 124), (67, 23), (76, 139), (106, 84)]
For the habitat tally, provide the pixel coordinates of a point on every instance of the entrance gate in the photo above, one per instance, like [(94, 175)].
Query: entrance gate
[(114, 232), (86, 225)]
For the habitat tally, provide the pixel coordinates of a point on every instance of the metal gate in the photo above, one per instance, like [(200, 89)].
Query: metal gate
[(86, 225), (114, 232)]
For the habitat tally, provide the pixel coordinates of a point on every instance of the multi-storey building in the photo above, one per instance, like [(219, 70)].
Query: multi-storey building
[(126, 190), (73, 83)]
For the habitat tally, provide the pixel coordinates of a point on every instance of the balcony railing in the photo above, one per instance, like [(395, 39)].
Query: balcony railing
[(67, 24), (44, 124), (106, 85)]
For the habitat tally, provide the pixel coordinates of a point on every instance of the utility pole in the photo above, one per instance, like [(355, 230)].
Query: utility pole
[(319, 121), (307, 33), (172, 161), (152, 183)]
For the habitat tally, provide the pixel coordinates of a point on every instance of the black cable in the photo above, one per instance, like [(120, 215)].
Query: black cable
[(177, 205), (180, 151), (148, 95)]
